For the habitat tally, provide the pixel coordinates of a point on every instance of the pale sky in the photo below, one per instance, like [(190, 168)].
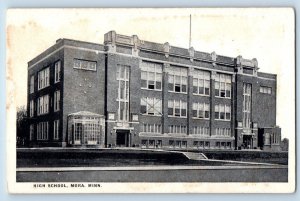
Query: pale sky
[(265, 34)]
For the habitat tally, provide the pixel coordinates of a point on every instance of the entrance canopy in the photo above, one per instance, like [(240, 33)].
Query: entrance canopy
[(86, 128)]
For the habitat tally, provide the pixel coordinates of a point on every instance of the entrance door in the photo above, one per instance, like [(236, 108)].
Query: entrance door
[(122, 139), (247, 142)]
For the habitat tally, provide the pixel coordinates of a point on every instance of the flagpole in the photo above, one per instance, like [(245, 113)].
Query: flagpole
[(190, 39)]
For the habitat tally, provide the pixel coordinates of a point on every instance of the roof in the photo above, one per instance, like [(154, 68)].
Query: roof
[(85, 113)]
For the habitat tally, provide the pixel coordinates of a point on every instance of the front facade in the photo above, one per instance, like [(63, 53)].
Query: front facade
[(134, 93)]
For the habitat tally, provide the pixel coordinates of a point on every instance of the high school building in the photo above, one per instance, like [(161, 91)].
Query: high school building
[(134, 93)]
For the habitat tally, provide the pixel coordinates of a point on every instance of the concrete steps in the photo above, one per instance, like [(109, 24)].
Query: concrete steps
[(195, 156)]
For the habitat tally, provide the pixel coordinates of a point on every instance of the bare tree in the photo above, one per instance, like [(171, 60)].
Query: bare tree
[(22, 126)]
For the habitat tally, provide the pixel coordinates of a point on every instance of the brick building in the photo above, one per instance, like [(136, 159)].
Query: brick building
[(134, 93)]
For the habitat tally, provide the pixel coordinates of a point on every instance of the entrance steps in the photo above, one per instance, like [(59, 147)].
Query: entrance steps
[(195, 156)]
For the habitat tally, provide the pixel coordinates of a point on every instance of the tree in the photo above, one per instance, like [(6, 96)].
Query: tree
[(284, 144), (22, 126)]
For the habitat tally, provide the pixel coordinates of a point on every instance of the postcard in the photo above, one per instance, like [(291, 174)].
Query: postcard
[(151, 100)]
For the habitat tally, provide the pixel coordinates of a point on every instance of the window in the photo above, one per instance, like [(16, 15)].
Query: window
[(222, 112), (158, 143), (201, 110), (151, 128), (265, 90), (85, 65), (56, 129), (43, 78), (56, 100), (123, 78), (151, 143), (223, 85), (223, 132), (57, 72), (31, 105), (31, 131), (177, 79), (207, 144), (177, 108), (267, 139), (31, 84), (42, 131), (144, 143), (177, 129), (171, 143), (151, 75), (151, 106), (201, 82), (177, 143), (247, 107), (198, 130), (43, 105)]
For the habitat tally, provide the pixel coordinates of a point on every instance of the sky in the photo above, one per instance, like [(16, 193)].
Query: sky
[(266, 34)]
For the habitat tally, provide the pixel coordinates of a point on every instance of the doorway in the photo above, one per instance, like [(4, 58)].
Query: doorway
[(247, 142), (122, 138)]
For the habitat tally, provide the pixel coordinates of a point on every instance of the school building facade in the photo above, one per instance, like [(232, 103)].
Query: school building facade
[(134, 93)]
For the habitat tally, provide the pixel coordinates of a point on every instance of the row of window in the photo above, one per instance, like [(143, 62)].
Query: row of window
[(265, 90), (151, 128), (199, 130), (271, 138), (206, 144), (226, 132), (84, 64), (183, 144), (151, 78), (222, 112), (179, 129), (178, 108), (86, 133), (44, 77), (42, 130), (43, 104)]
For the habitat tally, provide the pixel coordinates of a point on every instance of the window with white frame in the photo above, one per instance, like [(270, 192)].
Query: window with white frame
[(265, 90), (223, 132), (177, 108), (247, 88), (201, 110), (43, 78), (123, 78), (151, 128), (223, 85), (151, 75), (31, 84), (43, 105), (56, 129), (177, 129), (201, 82), (31, 131), (84, 64), (199, 130), (56, 100), (31, 110), (177, 79), (222, 112), (57, 67), (151, 106), (42, 131)]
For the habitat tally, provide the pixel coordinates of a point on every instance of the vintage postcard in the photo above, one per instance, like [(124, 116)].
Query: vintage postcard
[(144, 100)]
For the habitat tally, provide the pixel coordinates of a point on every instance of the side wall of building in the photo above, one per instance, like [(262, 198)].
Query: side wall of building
[(83, 90), (45, 60)]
